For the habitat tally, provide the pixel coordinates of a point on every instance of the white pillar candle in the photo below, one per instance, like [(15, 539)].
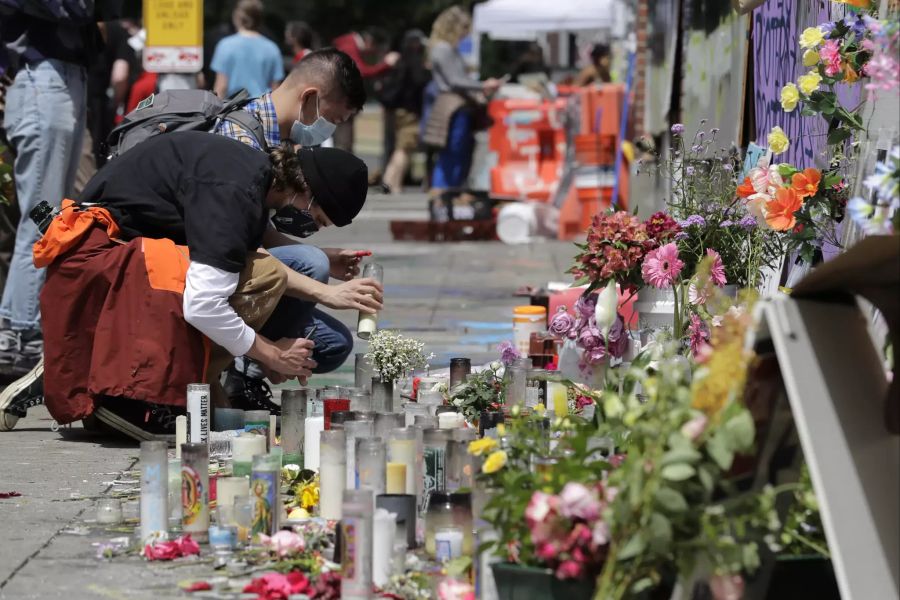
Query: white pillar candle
[(450, 420), (243, 449), (273, 425), (331, 473), (312, 428), (384, 529), (180, 434), (229, 487), (367, 325)]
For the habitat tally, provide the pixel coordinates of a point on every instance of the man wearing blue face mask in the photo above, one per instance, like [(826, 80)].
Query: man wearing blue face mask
[(323, 90)]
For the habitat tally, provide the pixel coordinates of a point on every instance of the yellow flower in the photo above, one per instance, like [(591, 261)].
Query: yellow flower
[(811, 37), (810, 57), (778, 141), (501, 429), (790, 96), (299, 513), (494, 462), (540, 409), (479, 447), (810, 82)]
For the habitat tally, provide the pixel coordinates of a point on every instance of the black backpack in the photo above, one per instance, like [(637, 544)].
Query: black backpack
[(182, 110)]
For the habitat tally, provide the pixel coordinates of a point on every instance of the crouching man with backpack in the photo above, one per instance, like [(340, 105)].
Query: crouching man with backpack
[(155, 280)]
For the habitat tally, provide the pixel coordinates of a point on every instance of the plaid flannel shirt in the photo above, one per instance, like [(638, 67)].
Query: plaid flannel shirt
[(264, 110)]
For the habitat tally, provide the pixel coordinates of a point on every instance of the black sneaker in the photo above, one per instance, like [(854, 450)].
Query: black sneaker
[(31, 350), (10, 342), (249, 393), (20, 395), (142, 421)]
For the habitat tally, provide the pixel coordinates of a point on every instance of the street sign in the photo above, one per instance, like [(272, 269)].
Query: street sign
[(174, 36)]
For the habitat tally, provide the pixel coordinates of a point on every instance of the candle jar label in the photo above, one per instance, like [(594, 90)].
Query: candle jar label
[(258, 427), (264, 494), (355, 566), (193, 496)]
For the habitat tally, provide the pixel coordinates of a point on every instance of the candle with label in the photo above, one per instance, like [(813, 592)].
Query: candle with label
[(264, 492), (356, 552), (198, 412), (154, 491), (354, 430), (402, 450), (293, 415), (244, 448), (195, 490)]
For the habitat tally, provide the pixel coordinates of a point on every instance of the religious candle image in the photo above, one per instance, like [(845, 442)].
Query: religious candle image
[(195, 490)]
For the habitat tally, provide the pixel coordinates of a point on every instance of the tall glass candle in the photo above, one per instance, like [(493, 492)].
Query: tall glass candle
[(356, 552), (265, 493), (198, 412), (426, 422), (244, 448), (460, 472), (432, 399), (518, 382), (370, 464), (435, 442), (450, 420), (460, 369), (227, 419), (229, 487), (154, 490), (368, 323), (402, 450), (362, 372), (293, 416), (332, 473), (174, 501), (387, 422), (340, 418), (333, 405), (257, 421), (395, 478), (181, 433), (354, 430), (195, 490), (382, 395), (411, 409), (315, 424), (361, 401)]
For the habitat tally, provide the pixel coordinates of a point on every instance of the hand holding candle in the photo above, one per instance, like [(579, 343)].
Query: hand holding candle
[(368, 322)]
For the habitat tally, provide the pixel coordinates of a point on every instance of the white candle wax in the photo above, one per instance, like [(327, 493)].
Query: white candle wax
[(229, 487), (331, 488), (384, 530), (368, 324), (244, 448), (312, 428), (180, 434), (273, 424), (450, 420)]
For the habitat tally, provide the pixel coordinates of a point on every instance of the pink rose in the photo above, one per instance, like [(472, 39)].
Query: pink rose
[(561, 323), (590, 338), (568, 569), (694, 428), (578, 502), (283, 543), (182, 546), (452, 589), (546, 551), (539, 507)]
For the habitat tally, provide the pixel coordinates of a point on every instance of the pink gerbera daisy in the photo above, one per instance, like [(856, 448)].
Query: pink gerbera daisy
[(717, 272), (662, 266)]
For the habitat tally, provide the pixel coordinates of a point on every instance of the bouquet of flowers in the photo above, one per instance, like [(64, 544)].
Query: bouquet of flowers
[(394, 356), (597, 342), (882, 214)]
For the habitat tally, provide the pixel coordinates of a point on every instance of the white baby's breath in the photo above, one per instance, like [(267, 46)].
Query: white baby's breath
[(394, 356)]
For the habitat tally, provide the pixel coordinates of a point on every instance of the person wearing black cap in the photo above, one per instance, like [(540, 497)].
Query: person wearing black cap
[(165, 245)]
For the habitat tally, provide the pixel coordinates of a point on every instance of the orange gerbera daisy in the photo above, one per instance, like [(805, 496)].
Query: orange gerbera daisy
[(780, 209), (745, 190), (806, 183)]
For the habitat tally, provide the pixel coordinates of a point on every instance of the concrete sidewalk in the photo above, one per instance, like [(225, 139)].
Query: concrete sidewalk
[(457, 298)]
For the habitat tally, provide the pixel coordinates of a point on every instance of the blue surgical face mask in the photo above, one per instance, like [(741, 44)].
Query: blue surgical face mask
[(312, 135)]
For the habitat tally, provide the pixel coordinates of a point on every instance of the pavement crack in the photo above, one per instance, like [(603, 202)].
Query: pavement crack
[(56, 534)]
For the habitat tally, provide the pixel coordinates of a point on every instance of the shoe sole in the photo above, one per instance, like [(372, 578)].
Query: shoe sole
[(121, 425), (13, 390)]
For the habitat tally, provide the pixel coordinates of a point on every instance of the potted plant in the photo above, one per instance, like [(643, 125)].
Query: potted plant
[(392, 356)]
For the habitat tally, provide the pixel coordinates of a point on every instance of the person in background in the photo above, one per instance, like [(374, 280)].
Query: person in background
[(247, 60), (299, 39), (403, 91), (450, 123), (49, 46), (599, 69), (357, 46), (531, 61)]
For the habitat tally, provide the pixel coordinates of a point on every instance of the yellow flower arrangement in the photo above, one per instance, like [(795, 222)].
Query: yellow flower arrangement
[(306, 494), (790, 96), (810, 58), (810, 82), (495, 462), (778, 140)]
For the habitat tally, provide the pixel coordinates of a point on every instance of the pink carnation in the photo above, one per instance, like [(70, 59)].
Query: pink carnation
[(662, 266), (569, 569), (578, 502), (830, 53)]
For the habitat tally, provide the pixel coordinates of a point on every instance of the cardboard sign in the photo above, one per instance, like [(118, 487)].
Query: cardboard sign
[(174, 36)]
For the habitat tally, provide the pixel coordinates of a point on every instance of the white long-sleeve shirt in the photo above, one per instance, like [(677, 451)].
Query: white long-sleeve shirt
[(206, 307)]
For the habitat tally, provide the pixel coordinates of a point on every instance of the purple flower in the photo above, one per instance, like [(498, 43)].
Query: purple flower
[(689, 171), (726, 223), (747, 222), (508, 353), (857, 24), (728, 167), (677, 129), (618, 339), (681, 235), (697, 148), (691, 221), (827, 28), (561, 323), (590, 338), (594, 357), (586, 305)]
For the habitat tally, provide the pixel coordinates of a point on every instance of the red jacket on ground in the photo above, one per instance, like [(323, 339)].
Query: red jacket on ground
[(347, 44)]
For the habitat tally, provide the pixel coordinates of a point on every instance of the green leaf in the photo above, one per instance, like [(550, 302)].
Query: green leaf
[(786, 170), (832, 179), (838, 135), (581, 281), (706, 479), (719, 450), (678, 472), (642, 584), (633, 547), (742, 430), (671, 500), (680, 455), (660, 529)]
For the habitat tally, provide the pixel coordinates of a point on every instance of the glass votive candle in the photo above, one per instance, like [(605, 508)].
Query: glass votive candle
[(448, 543), (109, 511), (242, 517), (413, 409), (360, 401)]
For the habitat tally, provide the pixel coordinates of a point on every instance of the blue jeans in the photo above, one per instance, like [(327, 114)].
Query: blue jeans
[(452, 165), (294, 318), (45, 116)]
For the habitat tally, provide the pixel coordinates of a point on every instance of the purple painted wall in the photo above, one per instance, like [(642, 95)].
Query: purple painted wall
[(777, 60)]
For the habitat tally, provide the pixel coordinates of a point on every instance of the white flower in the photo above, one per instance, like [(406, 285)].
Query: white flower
[(605, 312)]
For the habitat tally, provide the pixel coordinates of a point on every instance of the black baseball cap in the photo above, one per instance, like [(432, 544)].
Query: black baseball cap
[(338, 180)]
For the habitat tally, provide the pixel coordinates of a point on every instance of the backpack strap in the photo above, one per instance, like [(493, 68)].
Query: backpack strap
[(250, 123)]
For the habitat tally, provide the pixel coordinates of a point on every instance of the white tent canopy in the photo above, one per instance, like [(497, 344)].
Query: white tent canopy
[(525, 19)]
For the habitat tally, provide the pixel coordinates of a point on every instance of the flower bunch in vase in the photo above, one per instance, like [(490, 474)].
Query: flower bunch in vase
[(596, 340), (481, 391), (393, 355)]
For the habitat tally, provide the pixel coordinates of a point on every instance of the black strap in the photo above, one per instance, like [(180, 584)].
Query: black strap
[(250, 123)]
